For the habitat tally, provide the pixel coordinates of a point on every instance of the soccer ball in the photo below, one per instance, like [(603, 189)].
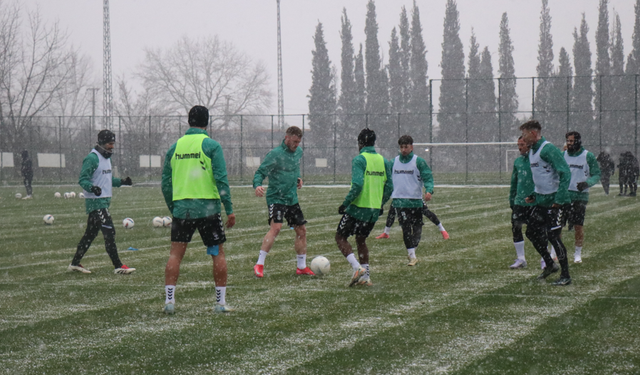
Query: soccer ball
[(48, 219), (81, 195), (18, 195), (320, 265), (67, 195), (166, 221), (128, 223), (72, 194), (57, 195), (157, 222)]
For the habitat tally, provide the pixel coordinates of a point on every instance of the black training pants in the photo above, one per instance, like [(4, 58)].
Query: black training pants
[(99, 220), (546, 225)]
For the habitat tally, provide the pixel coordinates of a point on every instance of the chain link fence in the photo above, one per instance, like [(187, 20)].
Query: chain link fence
[(58, 145)]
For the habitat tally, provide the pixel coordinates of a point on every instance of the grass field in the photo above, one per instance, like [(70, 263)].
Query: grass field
[(461, 310)]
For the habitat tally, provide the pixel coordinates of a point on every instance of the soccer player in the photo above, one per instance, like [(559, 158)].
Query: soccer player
[(371, 187), (585, 173), (409, 174), (97, 182), (391, 217), (551, 178), (27, 172), (194, 183), (521, 187), (282, 166)]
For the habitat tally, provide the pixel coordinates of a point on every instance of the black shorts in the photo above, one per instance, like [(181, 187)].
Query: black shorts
[(521, 214), (351, 226), (293, 214), (547, 217), (211, 230), (411, 216), (574, 213)]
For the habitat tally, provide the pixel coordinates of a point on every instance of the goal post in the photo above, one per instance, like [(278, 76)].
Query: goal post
[(476, 157)]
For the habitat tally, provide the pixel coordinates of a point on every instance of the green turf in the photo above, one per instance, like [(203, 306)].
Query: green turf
[(459, 311)]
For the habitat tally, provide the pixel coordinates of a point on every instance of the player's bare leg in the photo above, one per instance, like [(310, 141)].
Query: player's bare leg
[(345, 248), (220, 278), (171, 273), (363, 255), (267, 244), (300, 246)]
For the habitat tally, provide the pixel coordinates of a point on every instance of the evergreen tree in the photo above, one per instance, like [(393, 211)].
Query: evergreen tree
[(603, 62), (348, 92), (376, 106), (621, 118), (474, 91), (488, 98), (322, 100), (419, 97), (633, 61), (508, 96), (582, 98), (561, 88), (405, 56), (452, 88), (360, 100), (545, 65), (396, 82)]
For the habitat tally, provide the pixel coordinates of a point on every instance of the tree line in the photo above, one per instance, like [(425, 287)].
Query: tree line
[(473, 104)]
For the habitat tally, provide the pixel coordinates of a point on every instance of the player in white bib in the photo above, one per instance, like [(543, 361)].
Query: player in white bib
[(410, 174), (585, 173), (551, 178)]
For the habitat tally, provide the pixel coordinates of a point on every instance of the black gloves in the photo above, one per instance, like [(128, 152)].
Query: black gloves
[(582, 185), (96, 190), (342, 209), (126, 181)]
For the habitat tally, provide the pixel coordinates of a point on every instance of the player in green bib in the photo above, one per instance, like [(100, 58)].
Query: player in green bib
[(194, 183), (371, 187)]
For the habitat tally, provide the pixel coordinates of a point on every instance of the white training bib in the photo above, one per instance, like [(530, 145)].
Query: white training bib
[(579, 169), (544, 176), (407, 182), (101, 177)]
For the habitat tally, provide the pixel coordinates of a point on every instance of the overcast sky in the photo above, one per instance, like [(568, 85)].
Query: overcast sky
[(251, 25)]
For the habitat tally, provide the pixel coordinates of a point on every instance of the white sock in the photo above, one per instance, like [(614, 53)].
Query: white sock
[(578, 250), (221, 292), (262, 257), (302, 261), (412, 252), (351, 258), (519, 249), (366, 267), (170, 293), (441, 227), (386, 230), (553, 252)]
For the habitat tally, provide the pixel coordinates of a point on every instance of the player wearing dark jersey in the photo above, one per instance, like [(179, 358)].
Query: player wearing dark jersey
[(521, 187)]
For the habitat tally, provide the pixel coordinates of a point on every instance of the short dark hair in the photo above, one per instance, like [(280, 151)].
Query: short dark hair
[(405, 140), (531, 125), (575, 135), (199, 116), (367, 137), (294, 131)]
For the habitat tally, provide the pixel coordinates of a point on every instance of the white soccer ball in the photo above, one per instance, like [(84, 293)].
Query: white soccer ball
[(72, 194), (320, 265), (67, 195), (81, 195), (128, 223), (48, 219), (18, 195), (157, 222), (57, 195), (166, 221)]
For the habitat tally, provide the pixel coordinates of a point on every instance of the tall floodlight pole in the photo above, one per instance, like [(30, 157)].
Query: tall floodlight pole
[(106, 66), (280, 89)]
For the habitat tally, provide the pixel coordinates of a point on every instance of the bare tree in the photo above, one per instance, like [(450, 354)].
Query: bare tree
[(34, 69), (208, 72)]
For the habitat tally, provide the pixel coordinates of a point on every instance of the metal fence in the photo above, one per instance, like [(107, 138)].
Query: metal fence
[(59, 144)]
